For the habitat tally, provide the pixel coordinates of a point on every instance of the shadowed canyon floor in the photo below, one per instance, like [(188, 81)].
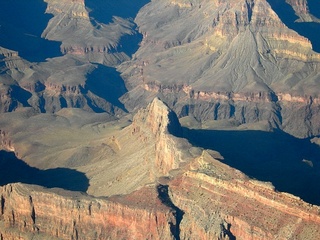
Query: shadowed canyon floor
[(105, 11), (21, 26), (314, 7), (14, 170), (94, 138), (111, 87), (128, 9), (290, 164), (141, 175), (310, 30)]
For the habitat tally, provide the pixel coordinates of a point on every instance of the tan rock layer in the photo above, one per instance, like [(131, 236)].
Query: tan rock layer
[(226, 96), (249, 209), (157, 118)]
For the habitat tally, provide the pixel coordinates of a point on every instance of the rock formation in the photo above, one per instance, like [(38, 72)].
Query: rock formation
[(109, 153), (81, 35), (301, 9), (55, 84), (32, 212), (182, 192), (246, 64), (242, 208), (89, 48), (104, 119)]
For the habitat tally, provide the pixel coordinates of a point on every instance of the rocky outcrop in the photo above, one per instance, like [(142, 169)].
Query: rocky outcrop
[(149, 147), (32, 212), (241, 208), (158, 185), (302, 10), (5, 141), (158, 124), (82, 35), (233, 57), (55, 84)]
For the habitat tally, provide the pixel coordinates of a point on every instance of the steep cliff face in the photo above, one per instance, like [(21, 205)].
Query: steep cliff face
[(158, 122), (149, 148), (12, 96), (158, 185), (108, 151), (242, 59), (32, 212), (241, 208)]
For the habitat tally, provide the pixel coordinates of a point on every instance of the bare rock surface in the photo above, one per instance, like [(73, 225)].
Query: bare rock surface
[(32, 212), (76, 77), (91, 142), (72, 26), (141, 175), (242, 208), (241, 62)]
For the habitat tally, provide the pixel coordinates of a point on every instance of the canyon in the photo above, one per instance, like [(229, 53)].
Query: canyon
[(181, 119), (246, 64), (172, 202)]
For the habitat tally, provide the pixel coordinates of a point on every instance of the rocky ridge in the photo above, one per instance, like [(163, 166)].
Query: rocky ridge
[(50, 86), (302, 10), (188, 192), (241, 51), (244, 208), (81, 35), (76, 78), (111, 152), (151, 175), (32, 212)]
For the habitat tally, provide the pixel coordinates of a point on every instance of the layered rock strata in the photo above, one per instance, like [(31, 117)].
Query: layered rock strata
[(55, 84), (111, 153), (240, 208), (158, 185), (70, 80), (242, 60), (81, 35), (32, 212), (301, 9)]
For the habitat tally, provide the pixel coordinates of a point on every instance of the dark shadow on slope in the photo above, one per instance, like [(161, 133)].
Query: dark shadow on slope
[(291, 164), (163, 195), (21, 25), (14, 170), (313, 6), (129, 44), (20, 95), (287, 15), (107, 83), (103, 11)]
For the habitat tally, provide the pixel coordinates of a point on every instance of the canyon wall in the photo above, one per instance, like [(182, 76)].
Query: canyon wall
[(241, 62), (158, 121), (32, 212), (86, 37), (74, 80), (150, 184), (65, 82), (240, 208)]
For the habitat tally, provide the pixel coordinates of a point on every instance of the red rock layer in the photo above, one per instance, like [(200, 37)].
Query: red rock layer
[(33, 211)]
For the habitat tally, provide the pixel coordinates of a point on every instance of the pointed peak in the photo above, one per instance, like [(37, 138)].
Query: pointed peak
[(159, 118)]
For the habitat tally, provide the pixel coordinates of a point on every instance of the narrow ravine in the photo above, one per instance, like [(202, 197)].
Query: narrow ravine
[(163, 195)]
